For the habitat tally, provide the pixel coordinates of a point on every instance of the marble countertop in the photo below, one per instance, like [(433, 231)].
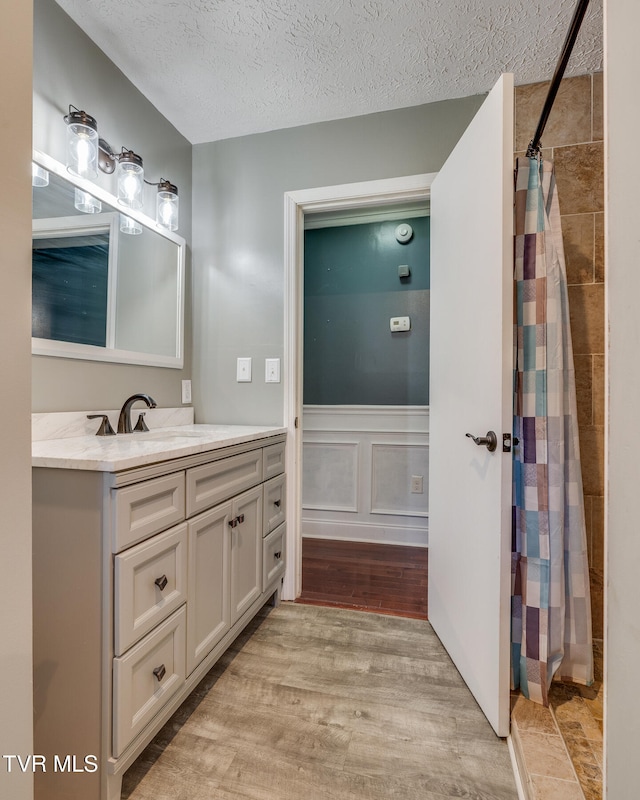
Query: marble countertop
[(125, 451)]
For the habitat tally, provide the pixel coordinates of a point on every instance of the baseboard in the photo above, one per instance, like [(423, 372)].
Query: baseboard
[(520, 785), (363, 532)]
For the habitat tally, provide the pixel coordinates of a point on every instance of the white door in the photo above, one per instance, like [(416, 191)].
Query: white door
[(471, 392)]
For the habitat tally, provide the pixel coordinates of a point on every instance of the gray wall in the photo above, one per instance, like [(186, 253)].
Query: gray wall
[(16, 717), (69, 68), (622, 598), (238, 222)]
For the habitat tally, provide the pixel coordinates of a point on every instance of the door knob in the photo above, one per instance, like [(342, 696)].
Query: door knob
[(490, 441)]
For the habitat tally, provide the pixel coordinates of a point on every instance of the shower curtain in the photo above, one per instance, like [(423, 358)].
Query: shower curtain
[(551, 611)]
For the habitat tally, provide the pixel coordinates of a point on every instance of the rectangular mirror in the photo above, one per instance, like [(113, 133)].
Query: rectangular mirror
[(98, 293)]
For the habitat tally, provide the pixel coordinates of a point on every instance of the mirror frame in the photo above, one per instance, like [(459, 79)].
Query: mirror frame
[(87, 352)]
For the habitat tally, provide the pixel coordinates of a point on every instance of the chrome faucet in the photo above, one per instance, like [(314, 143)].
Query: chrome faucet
[(124, 420)]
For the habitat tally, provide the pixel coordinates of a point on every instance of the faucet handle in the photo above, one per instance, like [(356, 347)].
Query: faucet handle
[(141, 425), (105, 428)]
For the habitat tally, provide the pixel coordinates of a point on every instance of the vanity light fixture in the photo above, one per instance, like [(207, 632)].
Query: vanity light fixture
[(82, 143), (87, 203), (129, 225), (86, 152), (166, 204), (130, 179), (39, 175)]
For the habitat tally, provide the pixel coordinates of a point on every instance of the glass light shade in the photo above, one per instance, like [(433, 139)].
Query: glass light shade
[(130, 226), (39, 176), (86, 202), (130, 184), (167, 207), (82, 149)]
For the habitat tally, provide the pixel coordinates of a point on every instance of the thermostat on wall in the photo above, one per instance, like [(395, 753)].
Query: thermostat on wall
[(400, 323)]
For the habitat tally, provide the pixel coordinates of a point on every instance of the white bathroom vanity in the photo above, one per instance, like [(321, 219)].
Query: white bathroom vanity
[(151, 553)]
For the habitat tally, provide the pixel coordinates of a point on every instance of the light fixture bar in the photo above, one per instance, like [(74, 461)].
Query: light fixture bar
[(86, 152)]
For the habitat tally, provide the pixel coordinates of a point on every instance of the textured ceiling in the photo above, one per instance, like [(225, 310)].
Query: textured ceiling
[(223, 68)]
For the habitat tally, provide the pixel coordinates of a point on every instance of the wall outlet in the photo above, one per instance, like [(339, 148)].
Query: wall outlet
[(186, 391), (417, 484), (243, 374), (272, 370)]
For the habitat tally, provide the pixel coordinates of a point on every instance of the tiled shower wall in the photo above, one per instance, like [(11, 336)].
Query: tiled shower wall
[(573, 138)]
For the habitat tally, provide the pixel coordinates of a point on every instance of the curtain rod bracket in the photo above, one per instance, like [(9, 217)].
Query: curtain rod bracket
[(534, 151)]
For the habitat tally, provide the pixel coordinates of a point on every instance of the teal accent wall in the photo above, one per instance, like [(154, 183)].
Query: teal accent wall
[(351, 291)]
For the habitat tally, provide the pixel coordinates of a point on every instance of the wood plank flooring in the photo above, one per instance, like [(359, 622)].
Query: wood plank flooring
[(316, 703), (390, 579)]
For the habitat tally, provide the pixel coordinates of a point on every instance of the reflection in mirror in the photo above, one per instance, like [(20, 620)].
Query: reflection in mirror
[(98, 293)]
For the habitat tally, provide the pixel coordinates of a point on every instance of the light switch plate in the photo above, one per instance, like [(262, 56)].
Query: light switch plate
[(272, 370), (186, 391), (243, 374)]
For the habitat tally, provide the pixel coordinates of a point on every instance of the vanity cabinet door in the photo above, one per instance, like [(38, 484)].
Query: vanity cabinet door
[(208, 612), (246, 551)]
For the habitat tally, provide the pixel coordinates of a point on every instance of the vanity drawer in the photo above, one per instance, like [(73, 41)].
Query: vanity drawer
[(146, 508), (273, 555), (150, 583), (138, 692), (213, 483), (274, 504), (273, 460)]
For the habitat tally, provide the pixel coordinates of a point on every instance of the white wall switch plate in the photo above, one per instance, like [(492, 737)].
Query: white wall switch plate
[(272, 370), (417, 484), (186, 391), (244, 370), (400, 323)]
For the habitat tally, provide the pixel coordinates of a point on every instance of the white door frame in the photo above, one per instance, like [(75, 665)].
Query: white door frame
[(368, 194)]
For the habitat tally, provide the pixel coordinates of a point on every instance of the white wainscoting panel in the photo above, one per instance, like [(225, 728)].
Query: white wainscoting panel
[(358, 462), (330, 475), (392, 468)]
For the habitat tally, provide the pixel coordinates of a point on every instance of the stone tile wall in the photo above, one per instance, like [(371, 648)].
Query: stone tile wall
[(573, 138)]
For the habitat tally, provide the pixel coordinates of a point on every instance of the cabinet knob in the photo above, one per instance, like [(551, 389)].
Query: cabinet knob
[(276, 503), (160, 672), (240, 518), (233, 523), (277, 554), (161, 582)]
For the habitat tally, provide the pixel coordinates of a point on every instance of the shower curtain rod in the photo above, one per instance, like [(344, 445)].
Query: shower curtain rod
[(572, 35)]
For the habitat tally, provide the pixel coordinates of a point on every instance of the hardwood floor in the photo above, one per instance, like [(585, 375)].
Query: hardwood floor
[(389, 579), (319, 703)]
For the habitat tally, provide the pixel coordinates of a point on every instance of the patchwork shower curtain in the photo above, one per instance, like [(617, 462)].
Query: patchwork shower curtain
[(551, 611)]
